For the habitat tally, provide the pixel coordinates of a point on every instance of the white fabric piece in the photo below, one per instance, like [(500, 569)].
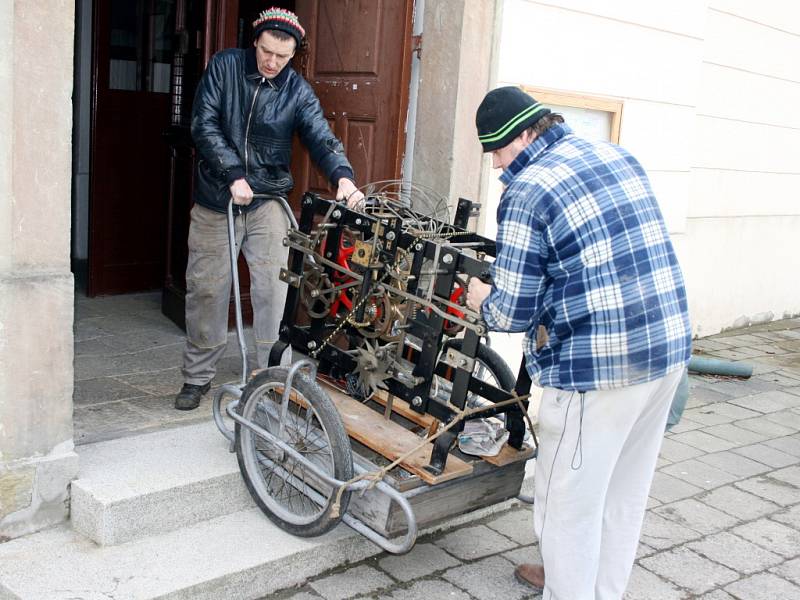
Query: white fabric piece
[(483, 437), (597, 456)]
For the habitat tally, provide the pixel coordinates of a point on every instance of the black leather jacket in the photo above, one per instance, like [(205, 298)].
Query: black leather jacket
[(242, 126)]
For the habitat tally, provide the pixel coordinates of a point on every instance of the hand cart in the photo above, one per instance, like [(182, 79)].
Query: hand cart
[(373, 300)]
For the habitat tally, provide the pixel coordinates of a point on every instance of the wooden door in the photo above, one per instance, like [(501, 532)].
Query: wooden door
[(369, 117), (199, 27), (358, 62), (129, 159)]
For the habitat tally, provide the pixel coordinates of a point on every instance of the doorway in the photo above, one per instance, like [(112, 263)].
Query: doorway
[(362, 82), (132, 65), (145, 59), (140, 176)]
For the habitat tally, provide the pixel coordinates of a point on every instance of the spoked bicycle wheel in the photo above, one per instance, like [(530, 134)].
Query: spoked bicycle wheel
[(286, 490)]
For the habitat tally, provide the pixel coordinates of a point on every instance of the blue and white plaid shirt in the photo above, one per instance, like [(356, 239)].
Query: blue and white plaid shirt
[(582, 250)]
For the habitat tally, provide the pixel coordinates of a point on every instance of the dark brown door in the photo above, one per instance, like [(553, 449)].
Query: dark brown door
[(358, 63), (369, 118), (199, 24), (129, 169)]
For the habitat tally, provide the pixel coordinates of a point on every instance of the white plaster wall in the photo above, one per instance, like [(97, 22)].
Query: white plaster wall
[(647, 54), (710, 91), (742, 252)]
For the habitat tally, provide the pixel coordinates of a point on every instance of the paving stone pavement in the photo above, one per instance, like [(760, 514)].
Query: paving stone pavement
[(723, 520), (127, 368)]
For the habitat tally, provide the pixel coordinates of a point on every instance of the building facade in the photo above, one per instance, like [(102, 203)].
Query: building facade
[(702, 92), (707, 91)]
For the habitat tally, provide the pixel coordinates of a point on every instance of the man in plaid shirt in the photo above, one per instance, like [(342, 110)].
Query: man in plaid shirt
[(582, 250)]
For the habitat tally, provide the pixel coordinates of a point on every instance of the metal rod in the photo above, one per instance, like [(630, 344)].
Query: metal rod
[(234, 252), (324, 261), (284, 205), (287, 389), (216, 409)]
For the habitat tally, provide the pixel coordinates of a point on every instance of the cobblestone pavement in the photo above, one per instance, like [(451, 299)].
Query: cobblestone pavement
[(724, 515)]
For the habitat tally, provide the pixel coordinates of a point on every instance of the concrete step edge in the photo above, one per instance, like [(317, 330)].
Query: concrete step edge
[(239, 555), (143, 485)]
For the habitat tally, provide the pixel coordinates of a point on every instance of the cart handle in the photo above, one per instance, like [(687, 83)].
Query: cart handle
[(234, 256)]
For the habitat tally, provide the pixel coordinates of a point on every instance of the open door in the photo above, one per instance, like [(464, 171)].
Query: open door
[(358, 63), (132, 58)]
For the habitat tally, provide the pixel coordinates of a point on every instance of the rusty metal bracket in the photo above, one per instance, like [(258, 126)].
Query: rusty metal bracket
[(289, 277), (459, 360)]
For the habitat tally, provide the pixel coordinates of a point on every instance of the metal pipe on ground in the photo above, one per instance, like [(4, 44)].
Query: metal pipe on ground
[(714, 366)]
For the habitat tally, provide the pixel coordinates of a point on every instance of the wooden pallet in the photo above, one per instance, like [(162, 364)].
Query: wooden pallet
[(506, 456)]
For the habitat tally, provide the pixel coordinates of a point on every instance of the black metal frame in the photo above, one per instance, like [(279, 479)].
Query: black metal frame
[(426, 326)]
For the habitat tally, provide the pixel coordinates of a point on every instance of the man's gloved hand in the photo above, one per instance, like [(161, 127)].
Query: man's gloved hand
[(349, 192), (241, 192)]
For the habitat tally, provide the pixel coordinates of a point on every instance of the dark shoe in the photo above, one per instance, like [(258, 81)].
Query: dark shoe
[(530, 575), (190, 395)]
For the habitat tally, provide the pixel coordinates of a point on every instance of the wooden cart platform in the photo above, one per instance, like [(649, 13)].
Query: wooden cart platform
[(467, 483)]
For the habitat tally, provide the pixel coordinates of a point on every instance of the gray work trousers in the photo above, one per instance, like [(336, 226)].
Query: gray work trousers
[(260, 235)]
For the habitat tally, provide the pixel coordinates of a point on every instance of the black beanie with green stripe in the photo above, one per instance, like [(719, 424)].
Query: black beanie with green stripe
[(504, 114)]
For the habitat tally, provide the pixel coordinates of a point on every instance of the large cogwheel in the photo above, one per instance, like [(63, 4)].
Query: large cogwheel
[(316, 295)]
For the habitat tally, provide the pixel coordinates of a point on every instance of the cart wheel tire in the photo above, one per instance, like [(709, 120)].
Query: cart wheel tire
[(498, 367), (303, 507)]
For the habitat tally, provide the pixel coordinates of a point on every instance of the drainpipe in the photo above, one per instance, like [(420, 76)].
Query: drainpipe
[(713, 366), (413, 92)]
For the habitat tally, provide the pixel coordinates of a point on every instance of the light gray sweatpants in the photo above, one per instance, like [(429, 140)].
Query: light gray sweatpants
[(260, 235), (597, 455)]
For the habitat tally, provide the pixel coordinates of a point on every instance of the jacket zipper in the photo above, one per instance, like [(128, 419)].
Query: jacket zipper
[(247, 131)]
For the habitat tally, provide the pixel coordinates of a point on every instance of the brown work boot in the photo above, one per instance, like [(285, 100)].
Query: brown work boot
[(531, 575)]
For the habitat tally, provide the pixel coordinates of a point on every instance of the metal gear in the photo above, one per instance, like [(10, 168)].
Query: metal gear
[(372, 366), (379, 315), (316, 295)]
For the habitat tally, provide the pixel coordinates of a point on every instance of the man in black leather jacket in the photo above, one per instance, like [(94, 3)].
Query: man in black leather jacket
[(248, 105)]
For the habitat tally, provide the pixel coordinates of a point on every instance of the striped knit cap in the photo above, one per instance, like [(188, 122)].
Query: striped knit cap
[(280, 19), (504, 114)]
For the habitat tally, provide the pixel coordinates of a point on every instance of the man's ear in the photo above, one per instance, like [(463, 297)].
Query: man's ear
[(528, 136)]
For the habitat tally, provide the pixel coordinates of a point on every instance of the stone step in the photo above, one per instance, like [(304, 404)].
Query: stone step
[(135, 487), (238, 555), (144, 485), (166, 515)]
